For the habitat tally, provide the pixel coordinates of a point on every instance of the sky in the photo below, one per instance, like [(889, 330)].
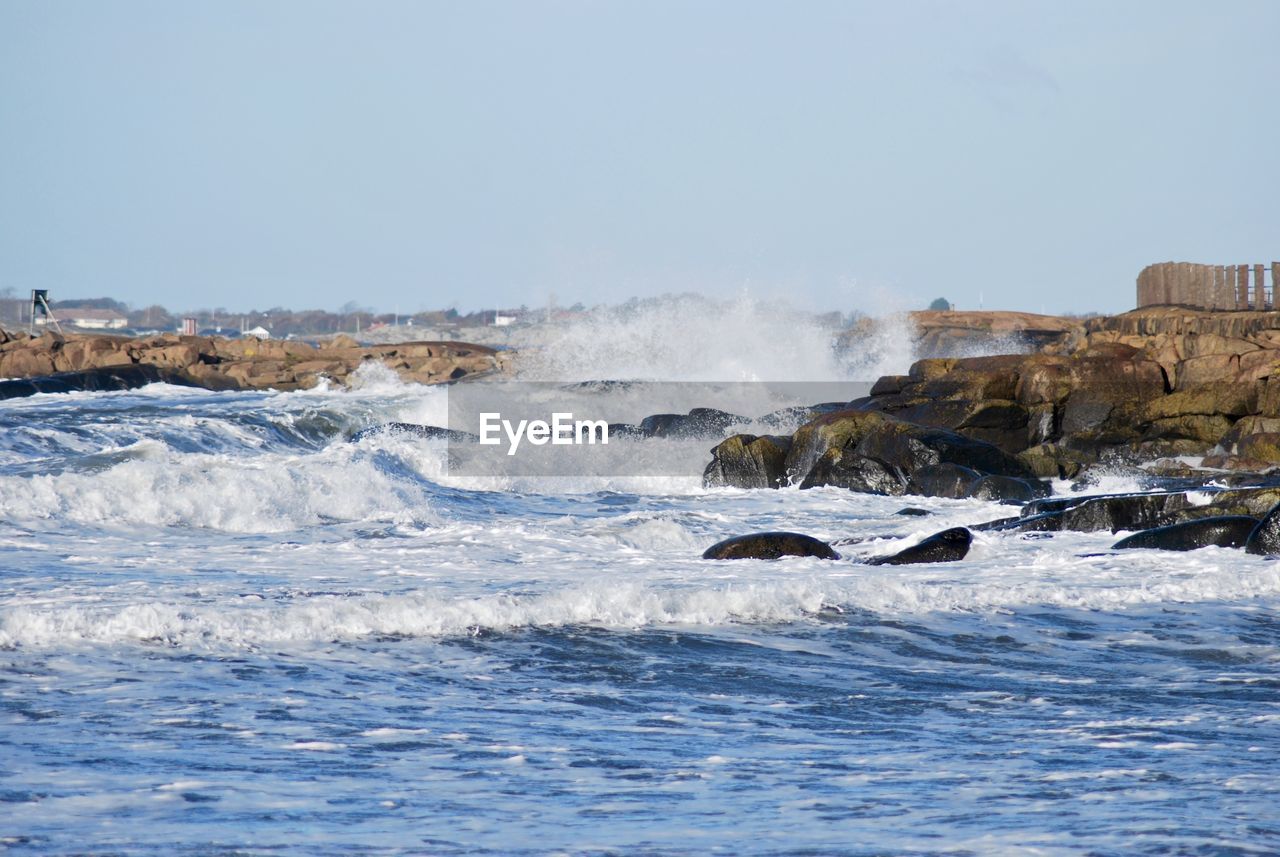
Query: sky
[(841, 155)]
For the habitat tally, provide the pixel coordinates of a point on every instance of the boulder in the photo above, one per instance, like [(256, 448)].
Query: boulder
[(1230, 531), (26, 363), (1007, 489), (843, 468), (890, 385), (1054, 461), (947, 546), (1207, 429), (1260, 447), (1124, 512), (944, 480), (836, 430), (1264, 539), (747, 461), (907, 448), (773, 545), (699, 423)]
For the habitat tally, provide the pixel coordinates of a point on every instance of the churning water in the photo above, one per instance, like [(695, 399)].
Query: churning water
[(225, 628)]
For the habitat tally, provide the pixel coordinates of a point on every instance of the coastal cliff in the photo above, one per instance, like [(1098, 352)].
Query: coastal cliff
[(218, 363)]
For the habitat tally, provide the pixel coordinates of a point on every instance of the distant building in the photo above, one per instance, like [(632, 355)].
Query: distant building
[(502, 320), (258, 333), (89, 319), (189, 326)]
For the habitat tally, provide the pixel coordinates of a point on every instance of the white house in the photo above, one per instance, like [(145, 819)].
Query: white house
[(258, 333), (88, 319)]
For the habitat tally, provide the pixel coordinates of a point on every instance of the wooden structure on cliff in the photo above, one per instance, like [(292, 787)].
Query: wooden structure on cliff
[(1221, 287)]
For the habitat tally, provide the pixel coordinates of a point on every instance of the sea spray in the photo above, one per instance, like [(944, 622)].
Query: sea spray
[(688, 338)]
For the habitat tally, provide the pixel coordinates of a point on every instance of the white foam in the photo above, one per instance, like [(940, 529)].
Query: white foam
[(258, 494), (688, 593)]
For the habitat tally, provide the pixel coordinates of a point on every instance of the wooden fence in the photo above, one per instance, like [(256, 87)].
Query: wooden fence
[(1224, 287)]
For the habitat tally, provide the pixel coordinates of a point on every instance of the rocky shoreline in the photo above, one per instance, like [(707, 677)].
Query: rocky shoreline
[(1153, 387), (55, 362), (1185, 402)]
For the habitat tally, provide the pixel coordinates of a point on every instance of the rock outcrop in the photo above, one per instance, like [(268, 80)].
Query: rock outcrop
[(218, 363), (1152, 383), (1151, 387), (873, 453)]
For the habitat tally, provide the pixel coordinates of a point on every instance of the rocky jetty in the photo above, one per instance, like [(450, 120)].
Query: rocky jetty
[(57, 362)]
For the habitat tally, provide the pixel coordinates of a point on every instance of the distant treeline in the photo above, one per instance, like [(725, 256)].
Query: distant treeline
[(15, 313)]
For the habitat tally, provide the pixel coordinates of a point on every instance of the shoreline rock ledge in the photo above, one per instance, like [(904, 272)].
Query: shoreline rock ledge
[(1155, 387), (55, 362)]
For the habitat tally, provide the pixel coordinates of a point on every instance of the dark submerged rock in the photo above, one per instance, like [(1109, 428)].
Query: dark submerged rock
[(423, 431), (1265, 537), (998, 525), (92, 380), (699, 423), (1126, 512), (770, 546), (947, 546), (913, 512), (1228, 531), (626, 430)]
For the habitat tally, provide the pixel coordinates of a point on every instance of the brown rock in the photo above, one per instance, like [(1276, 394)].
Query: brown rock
[(831, 431), (1051, 461), (177, 356), (748, 461), (26, 363), (1261, 447), (1207, 370), (1206, 429)]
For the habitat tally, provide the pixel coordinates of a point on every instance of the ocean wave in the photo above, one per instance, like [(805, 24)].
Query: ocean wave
[(242, 494), (607, 603)]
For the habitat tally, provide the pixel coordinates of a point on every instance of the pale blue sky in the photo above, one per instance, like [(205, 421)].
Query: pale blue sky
[(418, 154)]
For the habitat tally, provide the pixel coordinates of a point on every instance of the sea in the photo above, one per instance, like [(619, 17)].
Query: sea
[(226, 628)]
